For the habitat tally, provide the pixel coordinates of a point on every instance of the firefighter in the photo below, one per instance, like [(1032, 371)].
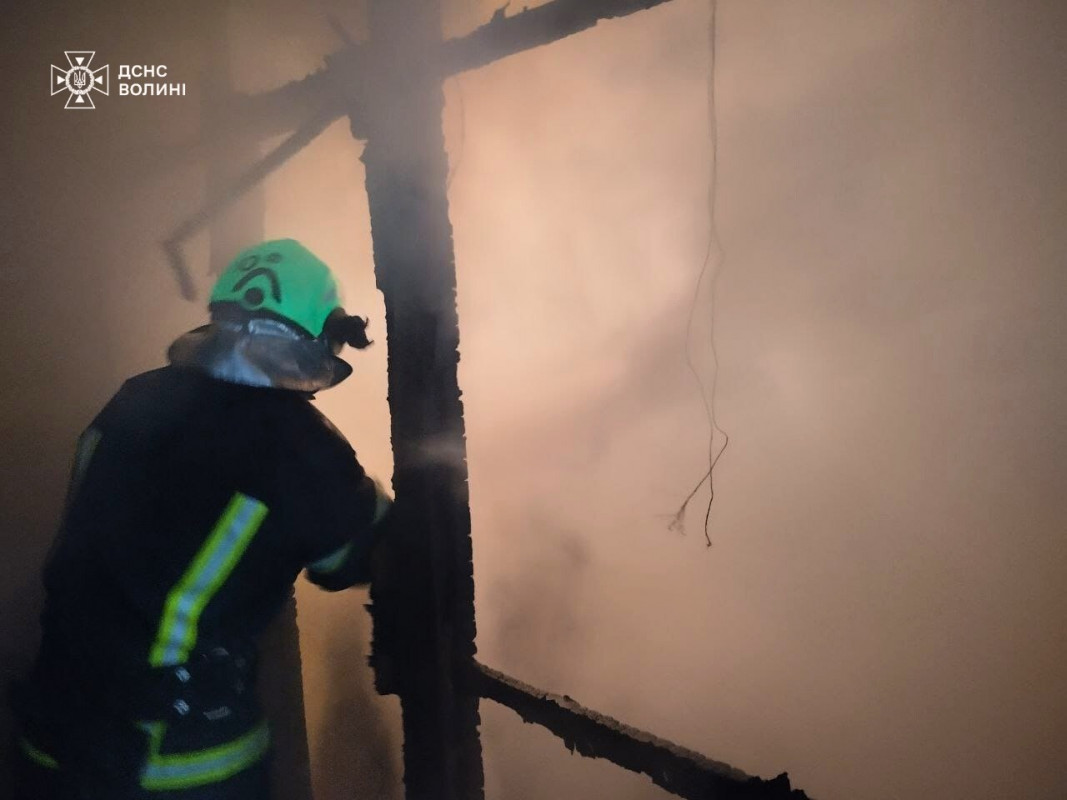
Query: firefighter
[(197, 496)]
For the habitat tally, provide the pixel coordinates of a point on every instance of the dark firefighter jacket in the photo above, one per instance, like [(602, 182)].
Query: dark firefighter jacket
[(194, 504)]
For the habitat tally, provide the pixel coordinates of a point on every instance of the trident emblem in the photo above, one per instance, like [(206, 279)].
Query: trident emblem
[(80, 80)]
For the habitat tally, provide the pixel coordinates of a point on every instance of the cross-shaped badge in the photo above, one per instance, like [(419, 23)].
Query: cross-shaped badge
[(80, 80)]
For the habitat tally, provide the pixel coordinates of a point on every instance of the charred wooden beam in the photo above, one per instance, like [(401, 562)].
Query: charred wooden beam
[(345, 85), (338, 88), (682, 772), (223, 199), (278, 111), (424, 608), (504, 36)]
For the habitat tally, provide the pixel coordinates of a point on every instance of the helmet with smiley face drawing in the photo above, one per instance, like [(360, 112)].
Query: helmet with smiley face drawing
[(282, 279), (276, 320)]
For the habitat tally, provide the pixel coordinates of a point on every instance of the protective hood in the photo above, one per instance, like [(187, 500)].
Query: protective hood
[(260, 352)]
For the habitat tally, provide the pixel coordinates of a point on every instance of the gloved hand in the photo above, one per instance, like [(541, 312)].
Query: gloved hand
[(343, 329)]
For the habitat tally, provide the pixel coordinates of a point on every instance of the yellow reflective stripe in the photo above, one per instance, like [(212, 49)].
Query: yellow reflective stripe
[(209, 570), (37, 756), (199, 767)]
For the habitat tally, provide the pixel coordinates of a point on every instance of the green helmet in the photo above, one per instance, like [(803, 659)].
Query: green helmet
[(282, 279)]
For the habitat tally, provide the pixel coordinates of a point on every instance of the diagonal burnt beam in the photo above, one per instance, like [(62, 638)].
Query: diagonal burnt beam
[(504, 36), (278, 111), (342, 81), (308, 106), (680, 771), (340, 87), (247, 180)]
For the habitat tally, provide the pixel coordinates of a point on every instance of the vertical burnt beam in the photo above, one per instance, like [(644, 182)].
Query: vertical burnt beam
[(423, 600)]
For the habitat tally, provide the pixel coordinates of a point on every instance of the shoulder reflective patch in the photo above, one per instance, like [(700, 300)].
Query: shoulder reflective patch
[(200, 767), (332, 562), (86, 447), (211, 567), (87, 444)]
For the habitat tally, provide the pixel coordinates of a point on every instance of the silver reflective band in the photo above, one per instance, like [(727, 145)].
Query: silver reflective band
[(211, 567), (332, 562), (186, 770)]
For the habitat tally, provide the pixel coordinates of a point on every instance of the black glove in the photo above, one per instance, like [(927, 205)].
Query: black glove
[(343, 329)]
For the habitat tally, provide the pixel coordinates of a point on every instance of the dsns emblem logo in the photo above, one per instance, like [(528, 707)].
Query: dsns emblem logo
[(80, 80)]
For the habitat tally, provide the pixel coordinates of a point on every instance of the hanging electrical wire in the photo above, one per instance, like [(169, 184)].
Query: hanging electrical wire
[(713, 261)]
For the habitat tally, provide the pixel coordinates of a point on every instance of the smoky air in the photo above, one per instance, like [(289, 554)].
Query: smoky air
[(881, 610)]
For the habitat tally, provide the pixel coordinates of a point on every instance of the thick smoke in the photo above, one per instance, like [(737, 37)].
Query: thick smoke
[(878, 613), (882, 611)]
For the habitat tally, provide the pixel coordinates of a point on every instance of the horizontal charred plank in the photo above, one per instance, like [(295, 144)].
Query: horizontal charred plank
[(682, 772)]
